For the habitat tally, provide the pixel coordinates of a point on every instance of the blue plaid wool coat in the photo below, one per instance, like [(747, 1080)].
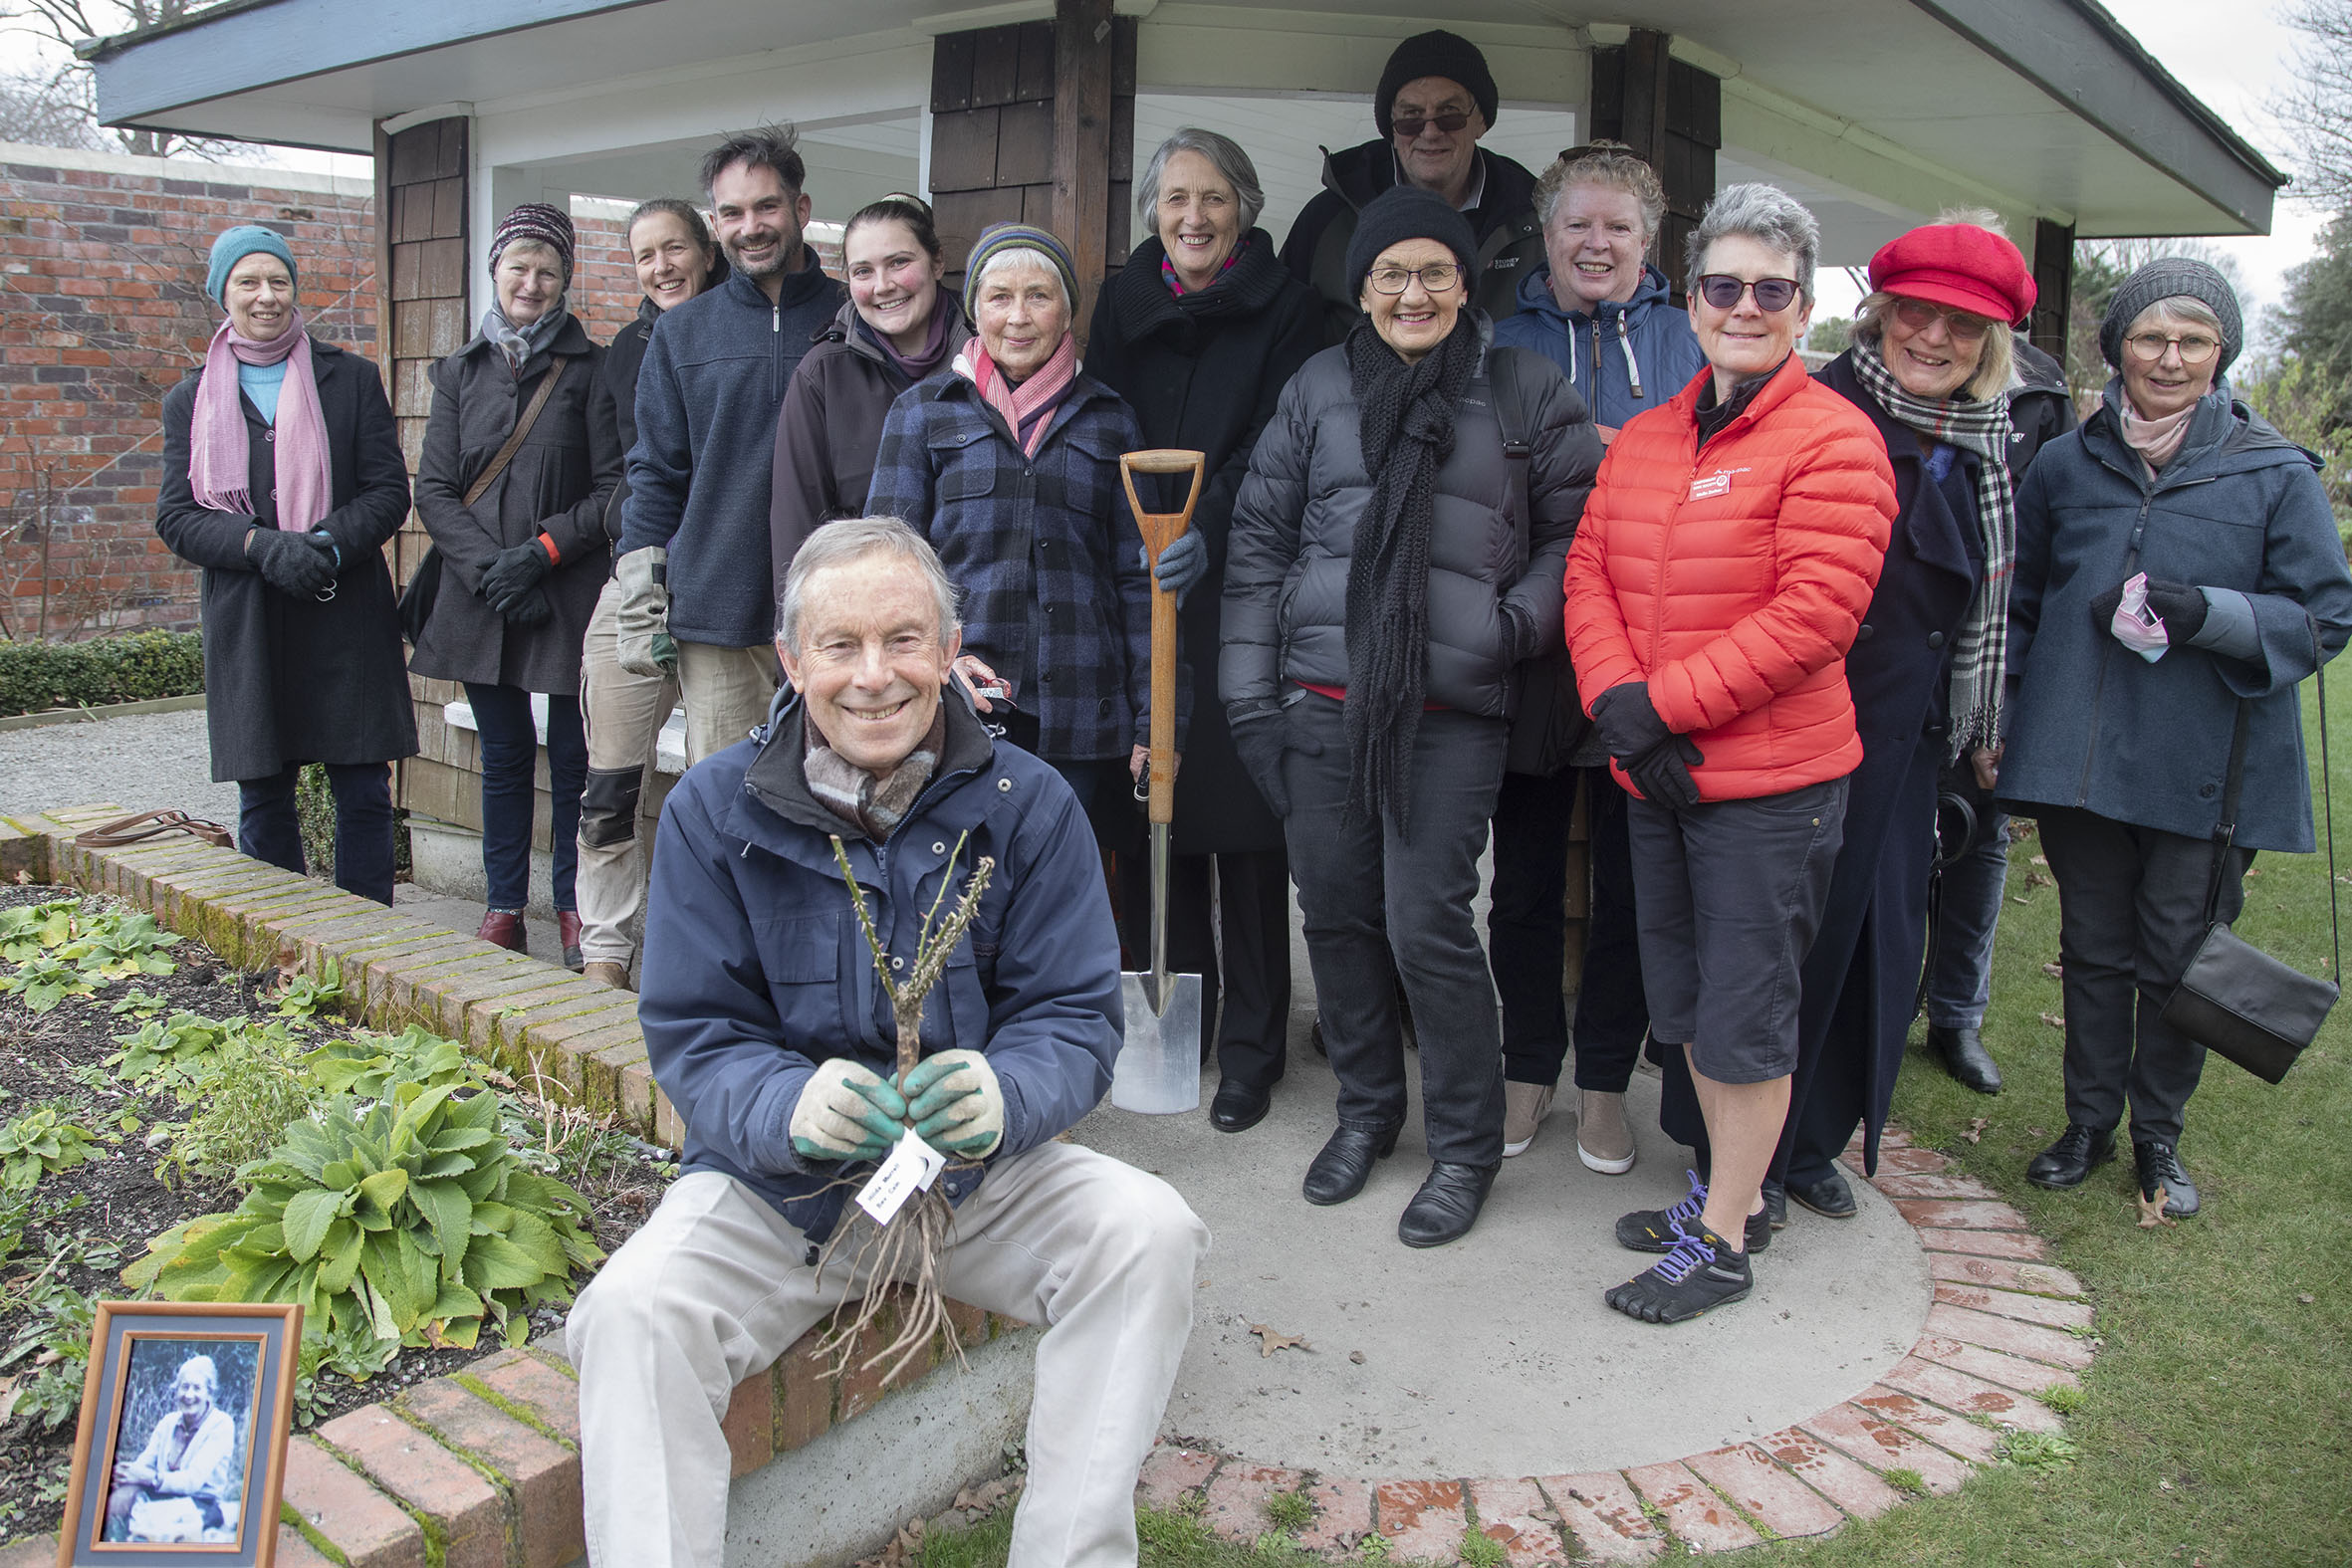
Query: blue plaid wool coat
[(1044, 550)]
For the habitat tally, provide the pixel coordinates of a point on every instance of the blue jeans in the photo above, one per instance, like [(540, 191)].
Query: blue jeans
[(1960, 970), (510, 760), (269, 828)]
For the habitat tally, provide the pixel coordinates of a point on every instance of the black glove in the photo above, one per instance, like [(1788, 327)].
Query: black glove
[(1260, 735), (527, 608), (2103, 607), (289, 563), (1629, 722), (1663, 772), (2180, 607), (514, 572)]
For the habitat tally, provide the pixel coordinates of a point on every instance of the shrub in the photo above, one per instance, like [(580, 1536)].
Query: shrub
[(145, 664)]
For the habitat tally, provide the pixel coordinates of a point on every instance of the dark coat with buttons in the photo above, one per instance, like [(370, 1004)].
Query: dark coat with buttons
[(287, 679), (756, 970), (557, 484)]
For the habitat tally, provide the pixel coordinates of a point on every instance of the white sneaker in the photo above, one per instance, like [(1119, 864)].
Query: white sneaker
[(1604, 1142), (1523, 1105)]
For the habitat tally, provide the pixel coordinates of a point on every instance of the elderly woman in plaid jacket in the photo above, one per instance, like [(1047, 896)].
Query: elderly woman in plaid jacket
[(1007, 462)]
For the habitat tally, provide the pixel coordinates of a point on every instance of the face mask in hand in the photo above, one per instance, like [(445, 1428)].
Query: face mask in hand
[(2136, 627)]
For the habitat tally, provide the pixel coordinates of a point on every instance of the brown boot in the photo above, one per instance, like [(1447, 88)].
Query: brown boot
[(503, 928), (568, 936), (606, 973)]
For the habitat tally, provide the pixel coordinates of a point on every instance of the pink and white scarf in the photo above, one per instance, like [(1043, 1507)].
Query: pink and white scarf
[(1028, 408), (218, 453)]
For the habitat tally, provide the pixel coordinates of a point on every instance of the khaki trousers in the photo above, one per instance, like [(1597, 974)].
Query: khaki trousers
[(726, 692), (716, 1286)]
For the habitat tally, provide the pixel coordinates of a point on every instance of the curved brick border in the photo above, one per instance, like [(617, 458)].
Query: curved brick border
[(2004, 1326)]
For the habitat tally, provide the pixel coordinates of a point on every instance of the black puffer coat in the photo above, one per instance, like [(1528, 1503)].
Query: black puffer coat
[(557, 484), (1203, 371), (289, 679), (1293, 531)]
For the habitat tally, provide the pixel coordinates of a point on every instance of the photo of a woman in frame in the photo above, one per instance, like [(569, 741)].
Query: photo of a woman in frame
[(178, 1472)]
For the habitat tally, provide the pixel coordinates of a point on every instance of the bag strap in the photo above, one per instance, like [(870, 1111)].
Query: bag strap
[(141, 825), (2226, 827), (514, 442), (2225, 830), (2327, 806)]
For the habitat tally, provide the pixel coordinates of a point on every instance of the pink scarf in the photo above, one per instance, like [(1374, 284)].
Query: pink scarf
[(2158, 441), (218, 452), (1026, 407)]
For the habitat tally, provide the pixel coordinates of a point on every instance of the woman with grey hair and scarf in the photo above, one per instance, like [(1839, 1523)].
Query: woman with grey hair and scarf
[(2179, 574)]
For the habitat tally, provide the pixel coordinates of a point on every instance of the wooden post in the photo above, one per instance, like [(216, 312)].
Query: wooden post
[(1081, 142), (2053, 279), (1670, 113)]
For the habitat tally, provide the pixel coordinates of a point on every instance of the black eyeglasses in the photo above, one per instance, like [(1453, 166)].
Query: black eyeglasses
[(1410, 127), (1722, 291), (1437, 278)]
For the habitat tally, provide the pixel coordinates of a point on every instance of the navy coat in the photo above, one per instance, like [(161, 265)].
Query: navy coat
[(756, 969), (2094, 724)]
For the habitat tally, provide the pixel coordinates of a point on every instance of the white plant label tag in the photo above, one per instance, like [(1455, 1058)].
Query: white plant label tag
[(912, 1167)]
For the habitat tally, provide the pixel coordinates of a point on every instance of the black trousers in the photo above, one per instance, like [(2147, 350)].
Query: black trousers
[(2131, 912), (1246, 1005)]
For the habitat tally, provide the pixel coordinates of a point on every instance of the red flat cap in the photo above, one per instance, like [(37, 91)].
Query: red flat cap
[(1959, 265)]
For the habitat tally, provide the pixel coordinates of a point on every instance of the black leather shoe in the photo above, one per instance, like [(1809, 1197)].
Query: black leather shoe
[(1830, 1197), (1966, 1059), (1339, 1171), (1239, 1107), (1446, 1206), (2078, 1151), (2160, 1166), (1775, 1196)]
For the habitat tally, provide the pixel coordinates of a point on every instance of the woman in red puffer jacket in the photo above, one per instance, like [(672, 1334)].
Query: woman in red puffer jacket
[(1719, 576)]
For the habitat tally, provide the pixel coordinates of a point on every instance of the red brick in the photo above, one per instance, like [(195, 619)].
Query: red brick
[(533, 1385), (1695, 1515), (1510, 1512), (1955, 1434), (1986, 1244), (1945, 1187), (1421, 1520), (420, 1473), (1168, 1474), (543, 1474), (1928, 1213), (1971, 1396), (1235, 1506), (1832, 1474), (1884, 1446), (1343, 1515), (2016, 1304), (750, 1425), (2010, 1372), (293, 1551), (804, 1399), (363, 1524), (1773, 1498), (2042, 1279), (1995, 1332)]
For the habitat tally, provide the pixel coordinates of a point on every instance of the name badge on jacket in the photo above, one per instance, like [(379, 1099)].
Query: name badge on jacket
[(1717, 484)]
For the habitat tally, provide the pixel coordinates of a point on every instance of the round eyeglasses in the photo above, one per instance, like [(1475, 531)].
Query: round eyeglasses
[(2147, 347), (1722, 291), (1437, 278), (1964, 326)]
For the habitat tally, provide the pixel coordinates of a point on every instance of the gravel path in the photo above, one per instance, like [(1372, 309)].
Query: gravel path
[(144, 760)]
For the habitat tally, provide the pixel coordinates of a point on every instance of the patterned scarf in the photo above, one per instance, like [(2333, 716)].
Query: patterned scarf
[(1979, 653), (1406, 429), (1028, 407), (519, 344), (872, 804), (1176, 284), (219, 456)]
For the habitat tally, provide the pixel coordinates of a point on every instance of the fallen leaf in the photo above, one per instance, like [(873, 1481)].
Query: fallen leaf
[(7, 1398), (24, 880), (2152, 1213), (1976, 1130), (2014, 899), (2306, 1297), (986, 1496), (1271, 1339), (2035, 879), (2054, 971), (2056, 1021), (2253, 870), (2042, 860), (2164, 1485)]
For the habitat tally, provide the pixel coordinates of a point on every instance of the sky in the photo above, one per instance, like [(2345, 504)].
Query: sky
[(2232, 57)]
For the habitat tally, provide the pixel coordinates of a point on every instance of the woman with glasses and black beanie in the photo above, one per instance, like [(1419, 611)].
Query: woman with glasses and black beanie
[(2179, 572), (1381, 596), (1720, 576)]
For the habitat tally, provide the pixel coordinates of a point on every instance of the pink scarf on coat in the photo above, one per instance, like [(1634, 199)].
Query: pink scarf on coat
[(2158, 441), (1026, 407), (218, 453)]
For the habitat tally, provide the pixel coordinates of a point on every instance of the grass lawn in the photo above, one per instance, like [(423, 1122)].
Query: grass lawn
[(2215, 1426)]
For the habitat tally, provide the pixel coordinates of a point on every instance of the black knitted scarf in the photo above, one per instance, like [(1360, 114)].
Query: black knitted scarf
[(1407, 422)]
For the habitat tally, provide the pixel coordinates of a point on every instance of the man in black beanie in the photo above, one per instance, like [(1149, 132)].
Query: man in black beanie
[(1435, 101)]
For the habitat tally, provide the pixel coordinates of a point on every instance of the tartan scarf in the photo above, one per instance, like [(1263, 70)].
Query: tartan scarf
[(1979, 651), (872, 803)]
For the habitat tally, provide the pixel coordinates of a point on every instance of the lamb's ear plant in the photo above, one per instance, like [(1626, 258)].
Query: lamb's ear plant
[(909, 1248)]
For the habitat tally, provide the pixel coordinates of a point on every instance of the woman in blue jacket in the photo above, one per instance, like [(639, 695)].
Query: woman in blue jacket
[(2120, 733)]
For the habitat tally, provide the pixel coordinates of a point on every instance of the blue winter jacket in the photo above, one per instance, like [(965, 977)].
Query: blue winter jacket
[(2240, 513), (756, 969), (708, 392), (1625, 359)]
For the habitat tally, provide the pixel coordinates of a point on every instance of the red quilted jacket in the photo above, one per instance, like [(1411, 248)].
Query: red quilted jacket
[(1733, 578)]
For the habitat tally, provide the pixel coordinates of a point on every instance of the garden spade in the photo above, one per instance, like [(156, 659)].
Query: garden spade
[(1159, 1066)]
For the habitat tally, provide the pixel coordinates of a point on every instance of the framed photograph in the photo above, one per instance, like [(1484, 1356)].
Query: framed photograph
[(181, 1450)]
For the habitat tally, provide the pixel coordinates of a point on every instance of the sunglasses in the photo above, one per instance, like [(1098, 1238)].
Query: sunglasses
[(1964, 327), (1722, 291), (1410, 127)]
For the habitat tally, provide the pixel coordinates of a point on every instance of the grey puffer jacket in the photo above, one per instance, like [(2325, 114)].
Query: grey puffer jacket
[(1294, 532)]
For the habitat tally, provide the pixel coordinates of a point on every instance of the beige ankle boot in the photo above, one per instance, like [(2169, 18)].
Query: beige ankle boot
[(1523, 1105), (1604, 1141), (606, 973)]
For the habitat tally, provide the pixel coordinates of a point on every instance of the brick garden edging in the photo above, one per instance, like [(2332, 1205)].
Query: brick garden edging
[(479, 1468), (2001, 1329)]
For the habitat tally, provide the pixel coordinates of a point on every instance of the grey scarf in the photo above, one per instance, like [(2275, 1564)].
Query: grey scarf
[(872, 804), (519, 344)]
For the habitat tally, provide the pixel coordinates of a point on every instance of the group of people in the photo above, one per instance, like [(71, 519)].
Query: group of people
[(1488, 521)]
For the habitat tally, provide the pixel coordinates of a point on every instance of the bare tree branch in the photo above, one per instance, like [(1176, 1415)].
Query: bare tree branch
[(64, 23), (2315, 106)]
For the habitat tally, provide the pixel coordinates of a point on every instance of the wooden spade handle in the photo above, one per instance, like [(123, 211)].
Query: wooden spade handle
[(1159, 530)]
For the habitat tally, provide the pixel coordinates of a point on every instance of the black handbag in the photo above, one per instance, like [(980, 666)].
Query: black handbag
[(1549, 721), (425, 584), (2234, 999)]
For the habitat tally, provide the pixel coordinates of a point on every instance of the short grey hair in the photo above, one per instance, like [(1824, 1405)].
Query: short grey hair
[(1766, 214), (1223, 153), (2182, 308), (1018, 256), (201, 1363), (851, 539)]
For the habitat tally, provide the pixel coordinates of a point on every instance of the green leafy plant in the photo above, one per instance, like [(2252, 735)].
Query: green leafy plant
[(415, 1219), (352, 1352), (141, 1004), (38, 1143), (373, 1065), (1479, 1550), (45, 979), (29, 928), (180, 1048), (2065, 1397), (246, 1094), (53, 1345), (146, 664), (119, 943), (2041, 1450), (63, 949), (1907, 1481), (306, 996)]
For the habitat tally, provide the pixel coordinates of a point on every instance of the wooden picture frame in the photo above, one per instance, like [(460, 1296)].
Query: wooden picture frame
[(195, 1400)]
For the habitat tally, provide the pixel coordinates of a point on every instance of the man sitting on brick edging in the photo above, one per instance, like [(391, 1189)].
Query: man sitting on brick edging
[(768, 1031)]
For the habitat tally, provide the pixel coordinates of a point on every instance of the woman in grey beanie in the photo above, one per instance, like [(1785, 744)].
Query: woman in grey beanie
[(2177, 570)]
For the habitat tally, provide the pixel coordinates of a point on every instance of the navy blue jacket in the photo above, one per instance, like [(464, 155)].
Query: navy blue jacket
[(756, 969), (1593, 351), (708, 392), (2094, 724)]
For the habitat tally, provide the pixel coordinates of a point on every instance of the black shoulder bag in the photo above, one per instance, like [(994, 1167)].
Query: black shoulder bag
[(425, 584), (2236, 999), (1548, 721)]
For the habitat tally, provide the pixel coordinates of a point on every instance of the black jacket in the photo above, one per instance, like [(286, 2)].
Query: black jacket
[(618, 388), (2040, 411), (1510, 240), (1203, 371), (557, 484), (291, 679)]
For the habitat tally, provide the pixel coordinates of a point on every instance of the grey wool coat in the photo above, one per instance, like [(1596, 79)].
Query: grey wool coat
[(2094, 724), (557, 484), (299, 680)]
